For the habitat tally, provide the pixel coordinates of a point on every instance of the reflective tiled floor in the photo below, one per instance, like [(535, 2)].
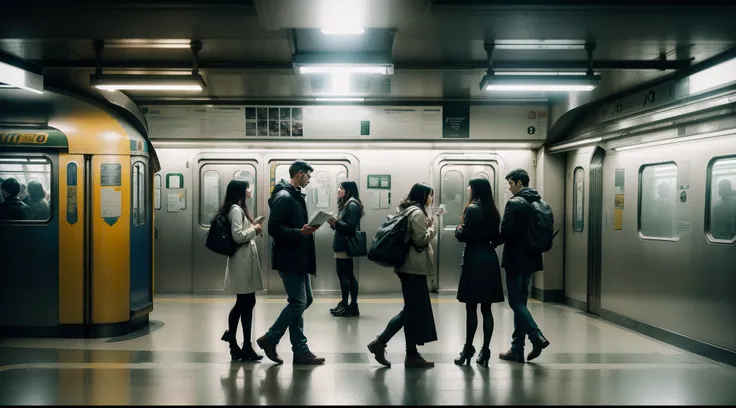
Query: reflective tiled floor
[(179, 359)]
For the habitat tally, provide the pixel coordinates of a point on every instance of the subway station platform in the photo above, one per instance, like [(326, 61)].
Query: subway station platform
[(179, 359)]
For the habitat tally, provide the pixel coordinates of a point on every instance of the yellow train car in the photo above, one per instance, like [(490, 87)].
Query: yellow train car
[(76, 254)]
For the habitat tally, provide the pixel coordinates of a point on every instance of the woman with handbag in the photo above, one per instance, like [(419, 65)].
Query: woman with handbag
[(243, 271), (349, 242)]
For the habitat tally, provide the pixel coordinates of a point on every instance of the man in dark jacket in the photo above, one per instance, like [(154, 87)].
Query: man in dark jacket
[(520, 264), (12, 208), (293, 255)]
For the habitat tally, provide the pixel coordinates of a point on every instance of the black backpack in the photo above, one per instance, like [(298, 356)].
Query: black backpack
[(391, 242), (540, 227), (219, 238)]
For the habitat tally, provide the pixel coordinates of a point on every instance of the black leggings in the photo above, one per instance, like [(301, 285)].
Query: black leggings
[(471, 323), (242, 310), (348, 281)]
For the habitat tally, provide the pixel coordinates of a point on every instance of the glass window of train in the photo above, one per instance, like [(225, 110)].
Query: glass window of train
[(32, 202), (209, 196), (657, 191), (578, 197), (136, 204), (157, 192), (453, 192), (721, 198), (142, 195), (251, 179)]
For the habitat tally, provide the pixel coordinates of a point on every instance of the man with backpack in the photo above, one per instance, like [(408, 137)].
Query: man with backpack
[(526, 232), (293, 255)]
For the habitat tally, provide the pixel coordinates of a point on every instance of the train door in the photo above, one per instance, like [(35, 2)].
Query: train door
[(321, 194), (454, 178), (213, 176), (141, 221), (595, 222)]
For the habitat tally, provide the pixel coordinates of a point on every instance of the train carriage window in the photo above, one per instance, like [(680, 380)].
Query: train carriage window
[(578, 197), (251, 179), (140, 204), (721, 197), (453, 195), (28, 196), (157, 191), (210, 196), (657, 190)]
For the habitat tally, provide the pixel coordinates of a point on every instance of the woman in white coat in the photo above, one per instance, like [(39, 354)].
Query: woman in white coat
[(243, 272)]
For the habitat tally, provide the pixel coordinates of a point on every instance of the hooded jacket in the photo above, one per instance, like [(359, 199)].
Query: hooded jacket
[(291, 252), (515, 232)]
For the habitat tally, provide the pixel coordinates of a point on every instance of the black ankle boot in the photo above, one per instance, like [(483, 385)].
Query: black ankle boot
[(348, 311), (339, 308), (235, 351), (483, 357), (465, 355), (249, 354)]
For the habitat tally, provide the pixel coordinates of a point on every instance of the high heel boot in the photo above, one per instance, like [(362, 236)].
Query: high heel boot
[(235, 351), (483, 357), (249, 354), (466, 354)]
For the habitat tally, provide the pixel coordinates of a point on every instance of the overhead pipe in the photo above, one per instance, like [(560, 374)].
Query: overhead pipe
[(473, 65)]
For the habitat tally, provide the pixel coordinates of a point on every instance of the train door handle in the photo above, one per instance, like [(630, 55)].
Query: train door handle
[(155, 232)]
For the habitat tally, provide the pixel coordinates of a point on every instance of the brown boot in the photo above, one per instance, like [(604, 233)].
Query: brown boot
[(417, 361), (308, 358), (379, 352), (269, 349)]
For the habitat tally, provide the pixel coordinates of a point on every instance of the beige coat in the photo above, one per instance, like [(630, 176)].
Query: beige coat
[(243, 272), (419, 263)]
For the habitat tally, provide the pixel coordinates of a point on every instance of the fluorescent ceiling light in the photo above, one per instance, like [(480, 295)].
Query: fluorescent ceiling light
[(343, 31), (383, 69), (148, 82), (539, 44), (339, 99), (522, 83), (14, 77), (576, 143), (148, 43)]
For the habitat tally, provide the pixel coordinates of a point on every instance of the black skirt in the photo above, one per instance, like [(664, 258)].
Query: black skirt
[(480, 276), (419, 320)]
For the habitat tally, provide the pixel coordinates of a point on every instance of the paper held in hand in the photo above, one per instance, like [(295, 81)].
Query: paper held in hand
[(318, 218)]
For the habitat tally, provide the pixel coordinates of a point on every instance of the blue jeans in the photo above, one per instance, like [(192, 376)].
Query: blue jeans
[(299, 295), (517, 285)]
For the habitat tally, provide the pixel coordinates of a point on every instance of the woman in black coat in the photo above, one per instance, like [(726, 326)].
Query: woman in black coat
[(480, 277), (350, 211)]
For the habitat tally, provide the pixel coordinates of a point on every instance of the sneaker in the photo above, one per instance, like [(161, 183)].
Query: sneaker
[(350, 311), (340, 305)]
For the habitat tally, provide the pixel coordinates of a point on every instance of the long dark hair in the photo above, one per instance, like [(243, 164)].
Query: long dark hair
[(236, 193), (482, 195), (418, 196), (351, 191)]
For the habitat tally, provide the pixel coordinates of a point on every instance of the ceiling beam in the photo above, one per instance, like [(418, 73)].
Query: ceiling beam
[(541, 65)]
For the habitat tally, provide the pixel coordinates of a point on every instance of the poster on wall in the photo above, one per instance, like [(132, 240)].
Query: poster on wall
[(111, 194), (456, 122)]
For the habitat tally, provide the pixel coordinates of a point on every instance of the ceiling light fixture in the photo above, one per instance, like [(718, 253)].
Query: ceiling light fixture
[(343, 31), (126, 82), (148, 43), (551, 83), (540, 44), (342, 99), (14, 77), (379, 69)]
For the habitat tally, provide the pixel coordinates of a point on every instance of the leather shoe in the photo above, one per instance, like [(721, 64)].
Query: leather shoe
[(269, 349)]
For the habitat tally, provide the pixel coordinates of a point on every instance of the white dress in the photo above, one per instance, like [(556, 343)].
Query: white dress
[(243, 271)]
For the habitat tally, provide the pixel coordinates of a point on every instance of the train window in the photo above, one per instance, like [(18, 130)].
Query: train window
[(251, 179), (210, 196), (657, 190), (578, 197), (139, 194), (28, 197), (721, 217), (157, 191), (453, 194)]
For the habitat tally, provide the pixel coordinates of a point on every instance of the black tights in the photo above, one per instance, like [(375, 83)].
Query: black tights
[(242, 310), (348, 281), (471, 323)]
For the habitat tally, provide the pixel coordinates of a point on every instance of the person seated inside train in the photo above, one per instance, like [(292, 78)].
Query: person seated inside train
[(40, 209), (724, 212), (13, 208), (23, 195)]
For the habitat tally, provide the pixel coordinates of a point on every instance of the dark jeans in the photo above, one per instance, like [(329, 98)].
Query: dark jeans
[(348, 281), (299, 295), (517, 285)]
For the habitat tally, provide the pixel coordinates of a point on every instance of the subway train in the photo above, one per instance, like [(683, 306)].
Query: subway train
[(84, 266), (643, 194)]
